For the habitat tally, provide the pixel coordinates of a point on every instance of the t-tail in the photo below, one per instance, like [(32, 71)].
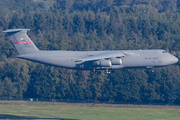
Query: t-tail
[(21, 41)]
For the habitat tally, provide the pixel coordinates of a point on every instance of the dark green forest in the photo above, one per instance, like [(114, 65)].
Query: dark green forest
[(86, 25)]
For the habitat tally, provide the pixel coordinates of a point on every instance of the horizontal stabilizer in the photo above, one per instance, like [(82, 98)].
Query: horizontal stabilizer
[(15, 30)]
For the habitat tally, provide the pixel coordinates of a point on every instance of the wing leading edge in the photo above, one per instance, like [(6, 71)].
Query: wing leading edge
[(96, 57)]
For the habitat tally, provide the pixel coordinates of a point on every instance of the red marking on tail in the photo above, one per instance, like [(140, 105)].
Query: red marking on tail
[(21, 42)]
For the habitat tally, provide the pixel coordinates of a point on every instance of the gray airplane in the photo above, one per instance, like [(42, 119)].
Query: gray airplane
[(89, 60)]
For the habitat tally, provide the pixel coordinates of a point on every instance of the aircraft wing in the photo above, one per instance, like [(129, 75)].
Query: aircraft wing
[(106, 55)]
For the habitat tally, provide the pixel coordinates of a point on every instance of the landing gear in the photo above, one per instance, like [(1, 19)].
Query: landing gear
[(99, 72), (153, 69), (107, 72), (95, 72)]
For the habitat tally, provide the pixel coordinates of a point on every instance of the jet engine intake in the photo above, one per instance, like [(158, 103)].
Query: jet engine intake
[(116, 61)]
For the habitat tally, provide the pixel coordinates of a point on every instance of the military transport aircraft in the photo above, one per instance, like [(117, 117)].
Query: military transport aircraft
[(89, 60)]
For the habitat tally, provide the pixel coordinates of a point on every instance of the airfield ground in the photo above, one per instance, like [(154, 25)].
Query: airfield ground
[(85, 111)]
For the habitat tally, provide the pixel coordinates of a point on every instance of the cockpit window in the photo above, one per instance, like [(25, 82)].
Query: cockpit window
[(164, 51)]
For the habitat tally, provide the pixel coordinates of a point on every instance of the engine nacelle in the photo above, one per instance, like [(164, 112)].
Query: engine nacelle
[(103, 63), (116, 61)]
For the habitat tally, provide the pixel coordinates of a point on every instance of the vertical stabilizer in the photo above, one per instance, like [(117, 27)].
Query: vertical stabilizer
[(21, 41)]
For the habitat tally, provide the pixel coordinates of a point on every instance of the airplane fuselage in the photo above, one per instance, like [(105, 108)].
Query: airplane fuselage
[(132, 59)]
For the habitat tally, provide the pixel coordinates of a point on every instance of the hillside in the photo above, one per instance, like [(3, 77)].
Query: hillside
[(86, 25)]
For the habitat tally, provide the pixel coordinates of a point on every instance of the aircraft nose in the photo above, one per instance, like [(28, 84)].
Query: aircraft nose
[(174, 60)]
